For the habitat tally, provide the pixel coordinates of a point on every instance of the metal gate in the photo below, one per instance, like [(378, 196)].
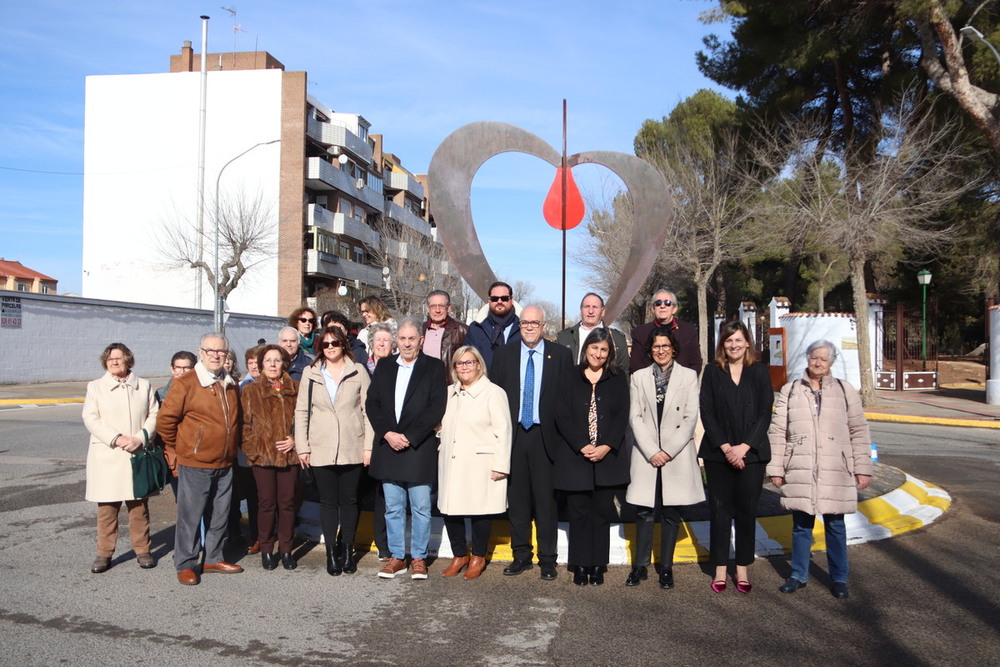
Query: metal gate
[(906, 359)]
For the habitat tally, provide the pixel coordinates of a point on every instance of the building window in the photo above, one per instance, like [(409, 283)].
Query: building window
[(345, 251), (45, 289), (21, 287)]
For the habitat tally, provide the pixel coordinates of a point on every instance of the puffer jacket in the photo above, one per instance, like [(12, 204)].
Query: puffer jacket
[(333, 433), (819, 455), (269, 416), (200, 421)]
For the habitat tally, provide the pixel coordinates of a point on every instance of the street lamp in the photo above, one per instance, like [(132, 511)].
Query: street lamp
[(924, 278), (217, 312), (976, 36)]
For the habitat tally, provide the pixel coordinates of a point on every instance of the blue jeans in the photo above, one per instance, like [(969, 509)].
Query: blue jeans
[(836, 545), (396, 494)]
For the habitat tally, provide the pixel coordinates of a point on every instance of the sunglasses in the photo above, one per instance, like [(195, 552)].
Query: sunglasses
[(311, 320), (329, 343), (662, 302), (504, 298)]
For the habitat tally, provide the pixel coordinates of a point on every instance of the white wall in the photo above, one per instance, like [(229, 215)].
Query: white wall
[(61, 338), (141, 168), (802, 329)]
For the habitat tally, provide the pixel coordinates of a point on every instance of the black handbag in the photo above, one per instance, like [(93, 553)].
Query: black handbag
[(149, 468)]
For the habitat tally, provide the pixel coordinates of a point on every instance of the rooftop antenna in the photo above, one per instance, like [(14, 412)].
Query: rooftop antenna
[(237, 29)]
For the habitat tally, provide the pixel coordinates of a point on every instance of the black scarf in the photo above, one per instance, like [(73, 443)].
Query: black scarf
[(498, 326)]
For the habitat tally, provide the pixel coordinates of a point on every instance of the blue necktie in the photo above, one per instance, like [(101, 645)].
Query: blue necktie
[(528, 397)]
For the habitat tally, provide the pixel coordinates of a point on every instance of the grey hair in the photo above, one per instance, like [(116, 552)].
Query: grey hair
[(815, 345), (375, 327), (533, 305), (214, 334), (284, 329), (410, 321), (668, 291), (599, 298)]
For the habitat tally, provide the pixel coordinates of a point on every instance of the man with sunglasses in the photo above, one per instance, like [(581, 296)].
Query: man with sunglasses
[(664, 308), (501, 325)]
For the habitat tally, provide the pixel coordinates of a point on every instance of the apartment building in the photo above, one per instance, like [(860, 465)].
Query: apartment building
[(331, 210), (17, 277)]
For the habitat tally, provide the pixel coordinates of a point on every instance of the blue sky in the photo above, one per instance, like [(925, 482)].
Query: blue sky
[(416, 69)]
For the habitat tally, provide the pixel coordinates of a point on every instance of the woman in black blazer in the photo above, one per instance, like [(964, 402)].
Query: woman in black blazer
[(736, 400), (593, 419)]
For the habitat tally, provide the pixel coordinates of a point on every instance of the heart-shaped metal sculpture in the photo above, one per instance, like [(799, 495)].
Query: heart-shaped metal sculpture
[(464, 151)]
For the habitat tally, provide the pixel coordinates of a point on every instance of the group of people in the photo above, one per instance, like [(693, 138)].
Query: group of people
[(497, 419)]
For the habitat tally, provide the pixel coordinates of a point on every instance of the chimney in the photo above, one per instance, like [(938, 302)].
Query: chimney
[(187, 57)]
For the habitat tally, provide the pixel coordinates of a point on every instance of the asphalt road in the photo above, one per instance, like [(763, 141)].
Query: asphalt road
[(925, 597)]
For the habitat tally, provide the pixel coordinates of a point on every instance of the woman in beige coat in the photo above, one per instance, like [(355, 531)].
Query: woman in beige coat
[(118, 408), (664, 469), (820, 456), (474, 459), (334, 437)]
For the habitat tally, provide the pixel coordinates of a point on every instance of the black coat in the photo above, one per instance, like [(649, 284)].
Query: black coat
[(687, 339), (423, 408), (723, 403), (506, 373), (572, 471)]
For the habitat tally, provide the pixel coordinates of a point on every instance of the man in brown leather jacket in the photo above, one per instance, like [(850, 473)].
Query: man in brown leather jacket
[(442, 334), (199, 423)]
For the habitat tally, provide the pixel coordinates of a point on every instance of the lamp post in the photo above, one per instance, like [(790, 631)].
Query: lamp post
[(976, 36), (217, 312), (924, 278)]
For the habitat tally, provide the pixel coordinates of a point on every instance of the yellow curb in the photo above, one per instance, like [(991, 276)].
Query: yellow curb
[(939, 421), (38, 401)]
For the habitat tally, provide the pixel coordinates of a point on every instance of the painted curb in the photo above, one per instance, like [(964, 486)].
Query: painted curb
[(38, 401), (913, 505), (938, 421)]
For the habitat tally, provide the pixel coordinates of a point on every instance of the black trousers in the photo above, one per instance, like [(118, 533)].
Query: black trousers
[(670, 522), (530, 494), (338, 501), (244, 488), (733, 495), (590, 514), (481, 525)]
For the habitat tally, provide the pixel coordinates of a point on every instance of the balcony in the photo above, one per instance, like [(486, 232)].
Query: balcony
[(400, 180), (404, 217), (408, 251), (329, 134), (324, 265), (338, 223), (321, 175)]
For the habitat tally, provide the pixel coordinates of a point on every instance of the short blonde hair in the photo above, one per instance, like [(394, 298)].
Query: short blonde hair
[(475, 353)]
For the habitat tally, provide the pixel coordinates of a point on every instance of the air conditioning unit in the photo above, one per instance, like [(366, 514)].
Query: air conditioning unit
[(359, 184)]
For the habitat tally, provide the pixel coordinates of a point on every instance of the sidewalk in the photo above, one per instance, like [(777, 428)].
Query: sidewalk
[(950, 406)]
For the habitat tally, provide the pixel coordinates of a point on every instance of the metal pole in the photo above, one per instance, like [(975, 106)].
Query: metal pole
[(924, 326), (562, 322), (900, 342), (217, 311), (202, 113)]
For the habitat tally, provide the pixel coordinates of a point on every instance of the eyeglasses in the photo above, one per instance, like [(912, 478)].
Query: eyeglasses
[(467, 363), (181, 368), (665, 346), (214, 353), (329, 343), (311, 320), (505, 298), (437, 305), (662, 302), (531, 324)]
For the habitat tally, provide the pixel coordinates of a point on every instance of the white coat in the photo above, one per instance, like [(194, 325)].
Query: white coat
[(112, 408), (475, 440), (675, 435)]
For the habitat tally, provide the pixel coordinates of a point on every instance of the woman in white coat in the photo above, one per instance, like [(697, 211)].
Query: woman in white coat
[(118, 408), (474, 459), (664, 473)]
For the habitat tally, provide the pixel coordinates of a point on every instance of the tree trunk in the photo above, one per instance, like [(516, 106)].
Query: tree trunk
[(701, 285), (857, 269)]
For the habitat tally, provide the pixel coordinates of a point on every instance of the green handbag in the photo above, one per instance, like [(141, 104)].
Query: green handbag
[(149, 468)]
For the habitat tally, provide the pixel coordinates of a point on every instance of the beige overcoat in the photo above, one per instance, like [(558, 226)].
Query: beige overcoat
[(475, 440), (338, 432), (819, 455), (681, 477), (112, 408)]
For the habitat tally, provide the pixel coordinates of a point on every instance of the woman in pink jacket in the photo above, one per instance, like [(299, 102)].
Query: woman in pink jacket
[(820, 456)]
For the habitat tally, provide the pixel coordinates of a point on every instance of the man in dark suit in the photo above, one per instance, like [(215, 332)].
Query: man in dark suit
[(664, 309), (592, 317), (532, 372), (405, 403)]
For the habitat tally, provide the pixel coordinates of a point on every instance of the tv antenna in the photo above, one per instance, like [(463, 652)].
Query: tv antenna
[(237, 29)]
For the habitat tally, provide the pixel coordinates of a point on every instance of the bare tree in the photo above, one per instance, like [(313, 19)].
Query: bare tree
[(247, 228), (416, 263), (882, 204)]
